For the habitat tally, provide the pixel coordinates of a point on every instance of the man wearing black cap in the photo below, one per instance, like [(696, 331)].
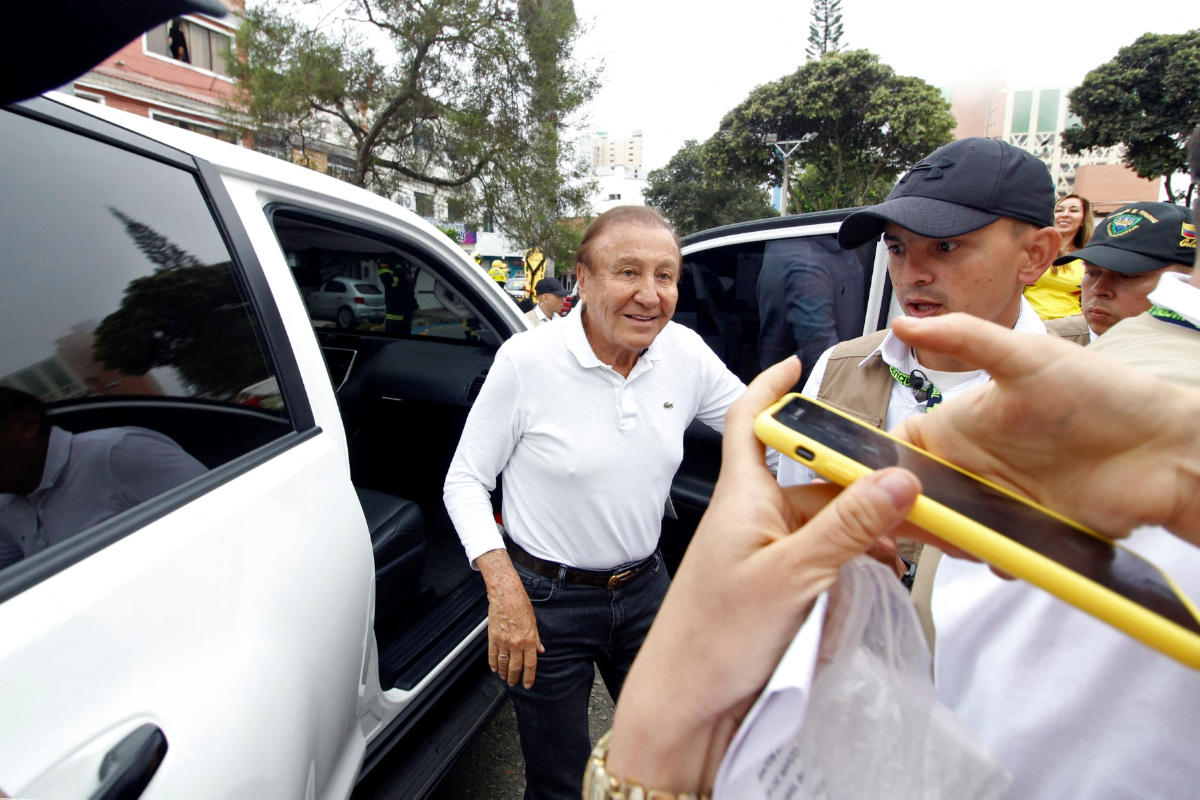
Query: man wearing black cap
[(550, 294), (1131, 250), (967, 229)]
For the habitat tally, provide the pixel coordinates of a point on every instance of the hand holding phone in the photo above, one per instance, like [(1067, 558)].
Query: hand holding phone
[(1014, 535)]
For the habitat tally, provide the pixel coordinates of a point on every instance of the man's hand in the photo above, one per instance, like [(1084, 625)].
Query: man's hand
[(513, 643), (759, 558), (1098, 441)]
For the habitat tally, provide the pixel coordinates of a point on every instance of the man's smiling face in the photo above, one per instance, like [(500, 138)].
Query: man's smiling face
[(630, 288)]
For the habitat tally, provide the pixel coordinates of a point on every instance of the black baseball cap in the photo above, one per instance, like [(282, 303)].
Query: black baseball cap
[(1140, 237), (550, 286), (957, 189)]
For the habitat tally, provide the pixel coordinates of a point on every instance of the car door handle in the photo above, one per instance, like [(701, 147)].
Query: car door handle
[(127, 769)]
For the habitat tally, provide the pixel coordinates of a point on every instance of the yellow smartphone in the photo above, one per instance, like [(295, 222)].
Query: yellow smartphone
[(1017, 536)]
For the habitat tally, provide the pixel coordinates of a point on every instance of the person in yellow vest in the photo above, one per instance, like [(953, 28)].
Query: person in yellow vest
[(1056, 293), (399, 295), (499, 272)]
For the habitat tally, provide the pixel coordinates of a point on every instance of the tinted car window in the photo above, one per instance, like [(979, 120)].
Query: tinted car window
[(122, 311), (756, 303)]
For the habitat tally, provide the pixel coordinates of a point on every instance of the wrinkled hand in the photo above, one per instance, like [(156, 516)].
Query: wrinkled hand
[(513, 643), (759, 558), (1098, 441)]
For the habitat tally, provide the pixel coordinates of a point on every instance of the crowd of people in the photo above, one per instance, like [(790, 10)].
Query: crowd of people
[(999, 284)]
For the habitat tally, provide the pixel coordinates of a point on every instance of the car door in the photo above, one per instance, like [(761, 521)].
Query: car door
[(758, 292), (197, 638)]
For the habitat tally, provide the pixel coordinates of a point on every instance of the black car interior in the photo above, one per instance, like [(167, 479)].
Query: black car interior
[(404, 398)]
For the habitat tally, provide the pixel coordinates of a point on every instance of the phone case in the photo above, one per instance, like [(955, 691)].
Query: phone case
[(995, 548)]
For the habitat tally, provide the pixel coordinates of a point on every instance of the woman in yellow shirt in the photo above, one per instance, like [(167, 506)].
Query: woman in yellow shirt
[(1056, 293)]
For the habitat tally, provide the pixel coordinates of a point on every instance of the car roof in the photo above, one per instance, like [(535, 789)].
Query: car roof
[(769, 224)]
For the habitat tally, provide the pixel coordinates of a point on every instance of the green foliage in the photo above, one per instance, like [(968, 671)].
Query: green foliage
[(185, 315), (1146, 99), (862, 125), (470, 102), (695, 195), (825, 30), (451, 232)]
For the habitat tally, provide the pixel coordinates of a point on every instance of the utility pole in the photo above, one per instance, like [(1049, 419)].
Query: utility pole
[(791, 145)]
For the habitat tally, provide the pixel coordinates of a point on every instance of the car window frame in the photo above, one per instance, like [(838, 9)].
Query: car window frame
[(252, 282), (398, 240)]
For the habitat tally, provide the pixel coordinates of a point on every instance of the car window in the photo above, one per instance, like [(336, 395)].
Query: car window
[(132, 360), (400, 292), (756, 303)]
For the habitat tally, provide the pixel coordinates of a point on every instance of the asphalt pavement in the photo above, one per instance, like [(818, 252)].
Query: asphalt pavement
[(492, 766)]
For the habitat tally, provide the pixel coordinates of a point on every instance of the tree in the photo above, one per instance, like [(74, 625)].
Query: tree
[(825, 30), (186, 315), (695, 195), (470, 102), (861, 125), (1146, 99)]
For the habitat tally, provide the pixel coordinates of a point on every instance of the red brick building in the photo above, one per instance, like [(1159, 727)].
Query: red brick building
[(177, 73)]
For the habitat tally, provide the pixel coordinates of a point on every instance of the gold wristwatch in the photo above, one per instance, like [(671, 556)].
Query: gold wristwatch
[(599, 785)]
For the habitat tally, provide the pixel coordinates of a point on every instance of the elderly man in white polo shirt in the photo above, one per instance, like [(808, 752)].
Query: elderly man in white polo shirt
[(595, 407)]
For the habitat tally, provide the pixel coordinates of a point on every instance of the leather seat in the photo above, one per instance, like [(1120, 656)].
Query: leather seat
[(398, 541)]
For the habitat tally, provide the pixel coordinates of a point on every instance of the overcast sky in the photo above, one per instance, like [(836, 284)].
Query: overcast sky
[(673, 69)]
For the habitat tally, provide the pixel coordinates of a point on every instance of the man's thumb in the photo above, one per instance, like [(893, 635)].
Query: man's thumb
[(870, 507)]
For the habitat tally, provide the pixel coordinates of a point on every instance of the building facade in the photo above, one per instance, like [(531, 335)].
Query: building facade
[(177, 73), (1034, 118), (609, 151)]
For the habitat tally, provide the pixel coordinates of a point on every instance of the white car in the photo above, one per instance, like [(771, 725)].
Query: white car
[(276, 626)]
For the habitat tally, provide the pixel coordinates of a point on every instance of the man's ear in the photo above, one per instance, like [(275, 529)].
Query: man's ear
[(1041, 248)]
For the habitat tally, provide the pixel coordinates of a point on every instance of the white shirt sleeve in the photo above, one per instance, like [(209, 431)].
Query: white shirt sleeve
[(146, 463), (490, 435), (791, 471)]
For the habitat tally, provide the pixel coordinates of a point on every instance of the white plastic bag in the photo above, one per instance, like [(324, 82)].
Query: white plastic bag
[(851, 712)]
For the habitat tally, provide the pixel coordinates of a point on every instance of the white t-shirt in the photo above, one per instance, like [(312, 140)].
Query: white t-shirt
[(1069, 705), (587, 455)]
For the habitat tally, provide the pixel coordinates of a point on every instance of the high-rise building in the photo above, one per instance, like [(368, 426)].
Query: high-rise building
[(613, 152), (1034, 119)]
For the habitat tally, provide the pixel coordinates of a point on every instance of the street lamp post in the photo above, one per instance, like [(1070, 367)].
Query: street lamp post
[(791, 145)]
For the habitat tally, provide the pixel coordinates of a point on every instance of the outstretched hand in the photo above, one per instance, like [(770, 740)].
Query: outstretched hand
[(759, 558), (1098, 441)]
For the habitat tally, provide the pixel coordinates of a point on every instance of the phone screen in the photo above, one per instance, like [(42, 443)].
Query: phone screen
[(1094, 558)]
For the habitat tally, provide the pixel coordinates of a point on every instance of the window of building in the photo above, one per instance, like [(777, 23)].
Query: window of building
[(614, 197), (424, 205), (1022, 110), (124, 316), (454, 210), (191, 43), (1047, 119)]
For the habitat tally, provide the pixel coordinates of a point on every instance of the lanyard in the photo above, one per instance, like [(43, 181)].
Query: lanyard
[(1167, 315), (922, 388)]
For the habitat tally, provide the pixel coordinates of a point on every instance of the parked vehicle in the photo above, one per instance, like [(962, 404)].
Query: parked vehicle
[(278, 625), (516, 287), (347, 302)]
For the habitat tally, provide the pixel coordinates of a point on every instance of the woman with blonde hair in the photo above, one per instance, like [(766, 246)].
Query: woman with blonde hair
[(1056, 293)]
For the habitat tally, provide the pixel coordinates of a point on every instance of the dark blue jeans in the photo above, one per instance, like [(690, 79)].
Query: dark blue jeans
[(580, 626)]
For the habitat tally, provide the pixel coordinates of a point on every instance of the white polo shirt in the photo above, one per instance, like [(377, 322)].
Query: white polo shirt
[(587, 455)]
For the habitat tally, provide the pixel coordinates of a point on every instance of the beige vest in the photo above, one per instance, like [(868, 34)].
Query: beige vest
[(1073, 328), (1170, 352)]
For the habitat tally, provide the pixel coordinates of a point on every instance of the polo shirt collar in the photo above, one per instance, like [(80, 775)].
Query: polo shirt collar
[(894, 352), (577, 342), (57, 453)]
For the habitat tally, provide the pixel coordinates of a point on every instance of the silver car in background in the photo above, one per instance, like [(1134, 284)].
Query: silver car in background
[(347, 302)]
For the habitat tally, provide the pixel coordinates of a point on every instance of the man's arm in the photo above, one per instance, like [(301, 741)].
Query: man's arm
[(489, 437), (1101, 442)]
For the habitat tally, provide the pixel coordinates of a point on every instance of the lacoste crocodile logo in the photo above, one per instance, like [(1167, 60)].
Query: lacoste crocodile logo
[(668, 405)]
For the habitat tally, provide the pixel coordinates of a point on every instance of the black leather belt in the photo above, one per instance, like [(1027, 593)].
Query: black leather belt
[(586, 577)]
